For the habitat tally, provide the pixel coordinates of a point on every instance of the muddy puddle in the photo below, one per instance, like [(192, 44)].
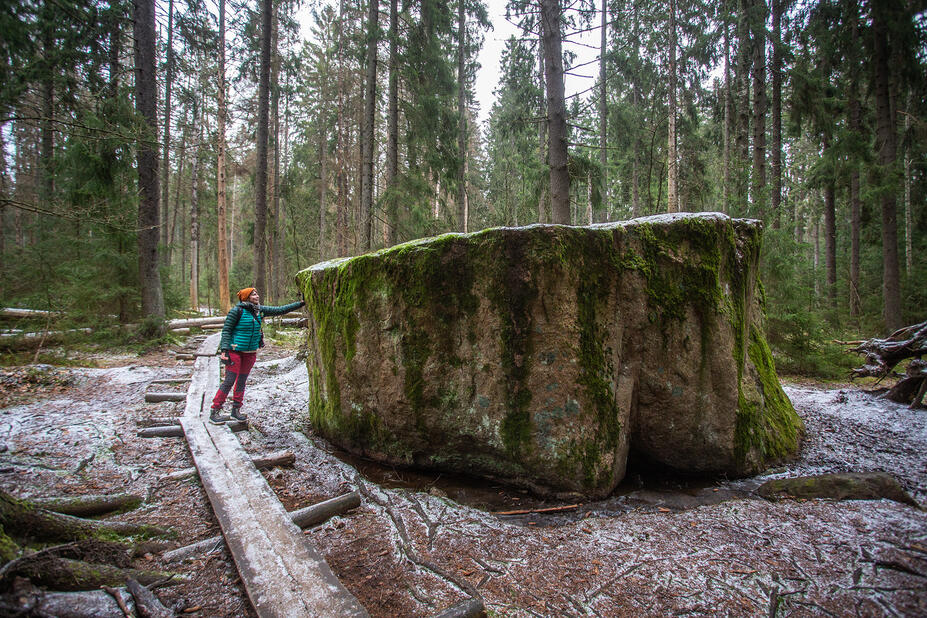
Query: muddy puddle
[(643, 489)]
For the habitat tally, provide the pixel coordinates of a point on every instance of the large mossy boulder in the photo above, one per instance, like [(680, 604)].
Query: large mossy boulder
[(539, 355)]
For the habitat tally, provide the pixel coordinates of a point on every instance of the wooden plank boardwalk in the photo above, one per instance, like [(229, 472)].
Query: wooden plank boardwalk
[(283, 573)]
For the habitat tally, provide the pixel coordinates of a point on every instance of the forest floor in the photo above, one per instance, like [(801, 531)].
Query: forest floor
[(419, 543)]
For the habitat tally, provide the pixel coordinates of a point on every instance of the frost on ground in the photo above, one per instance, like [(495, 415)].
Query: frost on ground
[(412, 553)]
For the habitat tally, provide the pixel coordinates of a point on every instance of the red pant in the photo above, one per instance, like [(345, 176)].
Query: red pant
[(237, 374)]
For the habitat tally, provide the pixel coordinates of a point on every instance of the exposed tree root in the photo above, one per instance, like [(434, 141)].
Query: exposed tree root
[(883, 355)]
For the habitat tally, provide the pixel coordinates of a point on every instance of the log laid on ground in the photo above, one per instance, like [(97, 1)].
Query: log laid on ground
[(176, 431), (164, 396), (27, 341), (12, 312), (169, 380), (845, 486), (271, 460), (180, 331), (197, 322), (157, 421), (305, 517), (88, 506), (21, 518), (469, 608), (149, 606), (211, 326), (67, 574), (85, 604)]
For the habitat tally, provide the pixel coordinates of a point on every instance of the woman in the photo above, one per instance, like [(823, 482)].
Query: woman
[(241, 338)]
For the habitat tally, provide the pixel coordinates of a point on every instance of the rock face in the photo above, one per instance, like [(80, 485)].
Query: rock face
[(540, 355)]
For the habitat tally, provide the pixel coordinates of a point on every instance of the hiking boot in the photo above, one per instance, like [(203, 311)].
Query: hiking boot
[(216, 417), (238, 415)]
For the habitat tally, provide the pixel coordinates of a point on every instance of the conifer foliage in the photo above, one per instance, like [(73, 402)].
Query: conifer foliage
[(140, 164)]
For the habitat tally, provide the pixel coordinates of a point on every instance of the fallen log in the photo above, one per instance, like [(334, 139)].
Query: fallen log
[(883, 355), (157, 421), (19, 518), (164, 396), (67, 574), (28, 341), (85, 604), (844, 486), (13, 312), (468, 608), (176, 431), (149, 606), (304, 517), (89, 506), (196, 322), (169, 380), (271, 460)]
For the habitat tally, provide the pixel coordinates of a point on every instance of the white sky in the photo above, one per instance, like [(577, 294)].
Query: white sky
[(487, 79)]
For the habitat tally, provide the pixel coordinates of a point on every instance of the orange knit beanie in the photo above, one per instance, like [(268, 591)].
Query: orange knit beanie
[(244, 294)]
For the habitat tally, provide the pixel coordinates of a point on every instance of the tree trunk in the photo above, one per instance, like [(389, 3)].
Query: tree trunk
[(273, 177), (225, 303), (462, 205), (323, 190), (551, 16), (260, 176), (742, 79), (146, 102), (855, 202), (759, 107), (341, 182), (367, 137), (603, 111), (636, 132), (543, 209), (672, 175), (181, 159), (775, 161), (830, 238), (49, 51), (908, 217), (195, 216), (392, 127), (726, 130), (165, 159), (885, 144)]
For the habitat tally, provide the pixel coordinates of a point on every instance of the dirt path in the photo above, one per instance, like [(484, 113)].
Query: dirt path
[(646, 551)]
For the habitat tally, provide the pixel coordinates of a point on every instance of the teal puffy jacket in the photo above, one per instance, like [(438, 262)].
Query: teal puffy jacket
[(242, 329)]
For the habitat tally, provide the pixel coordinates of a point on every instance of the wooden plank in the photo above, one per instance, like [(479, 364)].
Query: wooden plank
[(304, 517), (282, 573)]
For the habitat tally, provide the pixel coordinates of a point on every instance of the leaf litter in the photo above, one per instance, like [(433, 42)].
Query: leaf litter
[(415, 546)]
